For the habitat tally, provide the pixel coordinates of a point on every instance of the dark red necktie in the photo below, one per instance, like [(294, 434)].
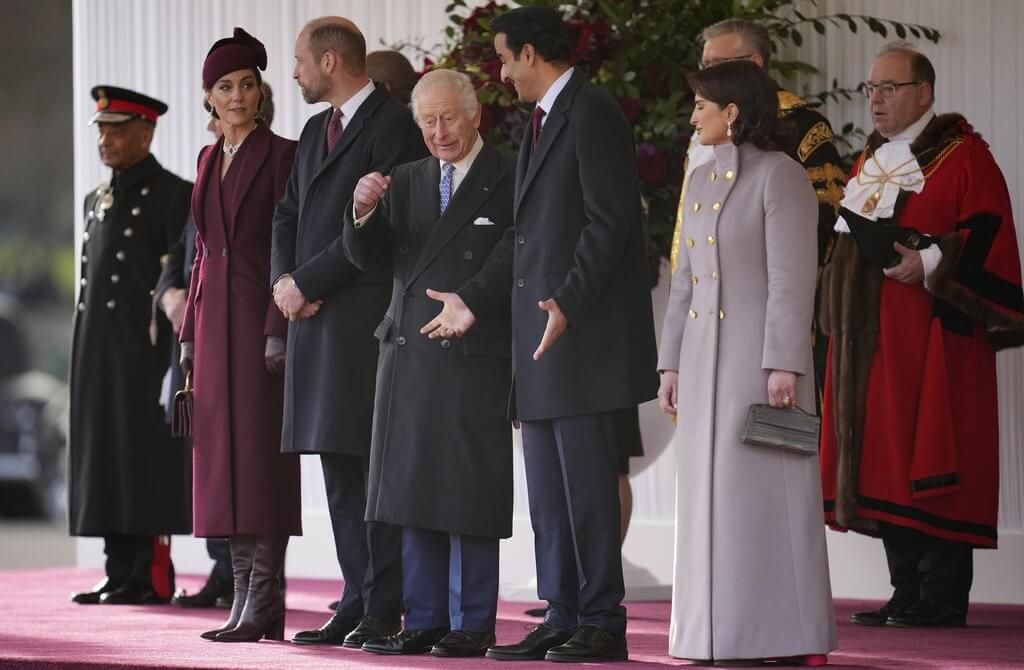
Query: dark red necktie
[(333, 130), (538, 118)]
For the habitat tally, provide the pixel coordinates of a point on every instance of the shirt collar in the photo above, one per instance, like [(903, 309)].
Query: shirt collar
[(462, 165), (916, 128), (351, 106), (548, 101)]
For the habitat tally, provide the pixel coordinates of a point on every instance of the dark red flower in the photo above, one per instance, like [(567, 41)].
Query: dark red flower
[(652, 164), (488, 119), (630, 107)]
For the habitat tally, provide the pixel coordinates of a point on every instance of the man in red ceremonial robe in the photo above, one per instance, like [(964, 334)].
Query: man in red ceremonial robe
[(909, 435)]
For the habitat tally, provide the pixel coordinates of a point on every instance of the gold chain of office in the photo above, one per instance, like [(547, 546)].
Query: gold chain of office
[(884, 177)]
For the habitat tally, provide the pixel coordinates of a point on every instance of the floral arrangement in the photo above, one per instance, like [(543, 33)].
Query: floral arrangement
[(639, 51)]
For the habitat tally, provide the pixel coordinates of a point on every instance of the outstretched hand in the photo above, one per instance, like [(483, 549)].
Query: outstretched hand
[(453, 321), (557, 323)]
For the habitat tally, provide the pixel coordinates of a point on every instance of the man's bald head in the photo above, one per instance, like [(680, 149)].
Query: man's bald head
[(340, 36)]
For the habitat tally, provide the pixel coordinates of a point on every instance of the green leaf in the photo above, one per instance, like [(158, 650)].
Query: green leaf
[(818, 26), (797, 38), (901, 32), (915, 32)]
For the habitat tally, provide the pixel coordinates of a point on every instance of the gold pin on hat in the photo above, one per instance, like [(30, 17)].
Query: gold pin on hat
[(101, 100)]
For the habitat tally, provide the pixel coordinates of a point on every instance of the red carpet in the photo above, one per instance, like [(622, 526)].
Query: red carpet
[(39, 628)]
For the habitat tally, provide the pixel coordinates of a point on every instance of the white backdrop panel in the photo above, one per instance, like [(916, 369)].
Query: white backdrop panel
[(158, 47)]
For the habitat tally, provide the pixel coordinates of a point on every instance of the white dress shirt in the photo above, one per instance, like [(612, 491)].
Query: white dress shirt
[(548, 101), (351, 106)]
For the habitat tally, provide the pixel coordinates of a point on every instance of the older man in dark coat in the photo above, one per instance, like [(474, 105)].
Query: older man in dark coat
[(128, 480), (332, 356), (447, 482)]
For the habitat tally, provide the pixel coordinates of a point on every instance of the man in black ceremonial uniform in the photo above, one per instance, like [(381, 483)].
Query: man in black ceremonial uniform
[(128, 480)]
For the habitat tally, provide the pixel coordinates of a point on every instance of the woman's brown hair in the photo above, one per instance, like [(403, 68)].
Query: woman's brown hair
[(745, 85)]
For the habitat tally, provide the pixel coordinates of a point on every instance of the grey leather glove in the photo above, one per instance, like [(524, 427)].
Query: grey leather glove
[(187, 356), (273, 353)]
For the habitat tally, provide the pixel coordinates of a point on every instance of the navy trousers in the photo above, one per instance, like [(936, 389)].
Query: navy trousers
[(449, 581), (369, 553), (572, 481)]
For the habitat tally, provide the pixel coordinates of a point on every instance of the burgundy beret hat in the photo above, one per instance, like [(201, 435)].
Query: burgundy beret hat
[(237, 52)]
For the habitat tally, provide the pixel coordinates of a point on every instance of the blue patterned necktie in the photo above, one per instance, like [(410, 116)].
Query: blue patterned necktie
[(446, 185)]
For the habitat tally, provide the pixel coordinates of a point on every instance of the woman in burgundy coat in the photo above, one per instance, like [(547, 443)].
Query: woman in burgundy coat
[(233, 340)]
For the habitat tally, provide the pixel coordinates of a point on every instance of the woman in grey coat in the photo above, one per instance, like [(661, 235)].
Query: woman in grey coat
[(751, 569)]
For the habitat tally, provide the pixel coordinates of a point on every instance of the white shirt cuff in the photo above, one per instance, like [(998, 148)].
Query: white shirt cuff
[(358, 222), (930, 258)]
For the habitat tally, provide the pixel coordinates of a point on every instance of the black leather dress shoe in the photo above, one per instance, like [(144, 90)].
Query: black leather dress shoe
[(332, 632), (463, 644), (106, 585), (207, 596), (928, 614), (406, 642), (132, 595), (879, 616), (371, 628), (588, 644), (533, 647)]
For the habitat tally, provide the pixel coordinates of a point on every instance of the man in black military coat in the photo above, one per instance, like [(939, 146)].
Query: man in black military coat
[(128, 480), (808, 140), (583, 332), (441, 460), (332, 356)]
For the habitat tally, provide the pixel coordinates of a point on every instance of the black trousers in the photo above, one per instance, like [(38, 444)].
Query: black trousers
[(572, 479), (369, 553), (923, 567), (140, 560), (220, 551)]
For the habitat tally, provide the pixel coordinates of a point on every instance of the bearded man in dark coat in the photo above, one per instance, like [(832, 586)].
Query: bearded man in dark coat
[(128, 480)]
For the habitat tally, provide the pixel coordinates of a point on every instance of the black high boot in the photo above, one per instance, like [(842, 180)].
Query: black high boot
[(263, 613), (242, 549)]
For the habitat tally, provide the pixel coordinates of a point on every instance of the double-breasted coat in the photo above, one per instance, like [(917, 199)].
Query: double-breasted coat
[(243, 484), (126, 475), (751, 569), (332, 357), (441, 457)]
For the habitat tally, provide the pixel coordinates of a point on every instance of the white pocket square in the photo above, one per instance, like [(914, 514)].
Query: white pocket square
[(483, 221)]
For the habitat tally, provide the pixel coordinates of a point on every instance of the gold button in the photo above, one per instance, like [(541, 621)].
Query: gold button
[(713, 176), (693, 279), (717, 206), (696, 206), (721, 314), (693, 314), (689, 242), (729, 174), (714, 276), (711, 240)]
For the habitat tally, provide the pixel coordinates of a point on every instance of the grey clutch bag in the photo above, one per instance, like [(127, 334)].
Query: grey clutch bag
[(790, 429)]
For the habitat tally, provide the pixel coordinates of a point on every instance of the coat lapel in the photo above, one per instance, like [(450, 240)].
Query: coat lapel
[(252, 160), (553, 125), (482, 181), (352, 128), (207, 162)]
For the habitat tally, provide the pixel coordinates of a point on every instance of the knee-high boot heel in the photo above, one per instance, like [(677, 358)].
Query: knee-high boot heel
[(263, 614), (242, 550)]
